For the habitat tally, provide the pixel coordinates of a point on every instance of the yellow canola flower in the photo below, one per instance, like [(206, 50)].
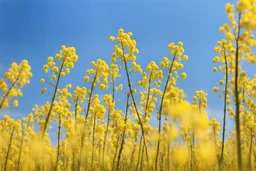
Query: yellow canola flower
[(15, 103), (154, 136), (185, 57), (206, 153), (42, 81), (215, 89), (215, 69), (86, 78), (173, 133), (53, 77), (102, 86), (183, 75), (111, 38), (180, 155), (199, 121), (178, 109), (55, 69), (221, 82), (180, 44)]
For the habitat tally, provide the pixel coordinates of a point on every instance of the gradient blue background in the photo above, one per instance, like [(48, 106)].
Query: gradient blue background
[(36, 29)]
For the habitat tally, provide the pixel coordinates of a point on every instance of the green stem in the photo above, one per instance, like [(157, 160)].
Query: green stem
[(137, 166), (53, 98), (6, 95), (106, 132), (76, 104), (225, 110), (86, 116), (21, 145), (93, 140), (9, 149), (250, 151), (134, 103), (133, 151), (123, 136), (141, 161), (168, 156), (58, 148), (160, 111), (237, 103), (114, 159), (191, 156)]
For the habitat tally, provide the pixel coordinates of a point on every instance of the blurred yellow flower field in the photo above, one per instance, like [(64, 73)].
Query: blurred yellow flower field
[(93, 133)]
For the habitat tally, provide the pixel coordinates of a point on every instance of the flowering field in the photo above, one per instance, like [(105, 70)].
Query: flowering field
[(101, 132)]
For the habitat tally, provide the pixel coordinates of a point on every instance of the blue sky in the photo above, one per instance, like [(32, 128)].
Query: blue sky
[(36, 29)]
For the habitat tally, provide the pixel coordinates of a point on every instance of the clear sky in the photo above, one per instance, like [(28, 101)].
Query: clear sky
[(36, 29)]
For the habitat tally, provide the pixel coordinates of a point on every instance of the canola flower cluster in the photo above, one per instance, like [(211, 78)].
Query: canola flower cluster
[(102, 133)]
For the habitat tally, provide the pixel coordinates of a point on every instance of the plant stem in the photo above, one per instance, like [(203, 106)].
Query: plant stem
[(160, 110), (114, 159), (106, 132), (93, 139), (53, 97), (133, 151), (58, 148), (225, 110), (168, 156), (105, 139), (134, 103), (9, 149), (86, 116), (76, 103), (21, 145), (250, 151), (142, 155), (123, 136), (237, 103), (137, 166), (6, 95), (191, 156), (73, 158)]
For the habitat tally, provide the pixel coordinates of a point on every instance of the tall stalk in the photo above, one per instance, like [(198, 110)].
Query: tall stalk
[(142, 155), (133, 151), (237, 103), (191, 155), (73, 158), (250, 151), (123, 135), (138, 162), (106, 132), (9, 148), (73, 151), (99, 156), (105, 139), (168, 156), (86, 116), (53, 97), (145, 115), (21, 144), (66, 160), (215, 141), (58, 148), (160, 110), (141, 151), (134, 103), (115, 155), (224, 110), (76, 104), (93, 140), (12, 86)]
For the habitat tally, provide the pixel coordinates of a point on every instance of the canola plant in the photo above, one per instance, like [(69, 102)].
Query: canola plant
[(103, 133)]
